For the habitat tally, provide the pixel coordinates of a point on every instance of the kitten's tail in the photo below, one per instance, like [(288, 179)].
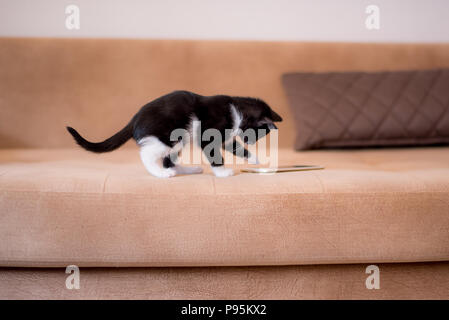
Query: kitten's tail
[(112, 143)]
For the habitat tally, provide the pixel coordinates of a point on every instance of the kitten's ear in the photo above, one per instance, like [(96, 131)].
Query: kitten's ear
[(275, 117)]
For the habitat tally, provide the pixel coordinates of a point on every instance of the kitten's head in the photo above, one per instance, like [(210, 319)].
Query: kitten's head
[(256, 114)]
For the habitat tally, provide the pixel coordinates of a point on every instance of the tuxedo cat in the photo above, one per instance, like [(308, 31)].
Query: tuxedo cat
[(153, 125)]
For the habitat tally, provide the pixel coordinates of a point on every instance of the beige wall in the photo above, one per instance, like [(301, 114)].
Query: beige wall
[(313, 20)]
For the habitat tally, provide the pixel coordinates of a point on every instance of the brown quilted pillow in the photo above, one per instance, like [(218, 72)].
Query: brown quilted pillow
[(360, 109)]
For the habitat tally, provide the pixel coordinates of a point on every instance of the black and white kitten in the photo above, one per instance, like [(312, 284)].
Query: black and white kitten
[(153, 125)]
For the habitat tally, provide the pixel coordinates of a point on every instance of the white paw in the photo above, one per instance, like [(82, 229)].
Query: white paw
[(253, 159), (165, 173), (222, 172)]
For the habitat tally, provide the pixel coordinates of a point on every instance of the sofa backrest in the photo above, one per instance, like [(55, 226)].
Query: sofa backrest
[(96, 85)]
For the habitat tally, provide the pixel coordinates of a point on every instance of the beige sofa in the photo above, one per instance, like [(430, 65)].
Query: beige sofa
[(286, 236)]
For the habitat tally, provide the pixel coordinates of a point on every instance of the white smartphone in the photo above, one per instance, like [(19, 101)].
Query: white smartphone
[(282, 169)]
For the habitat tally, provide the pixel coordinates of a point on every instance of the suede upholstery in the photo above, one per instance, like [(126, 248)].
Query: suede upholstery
[(60, 205), (367, 205), (96, 85)]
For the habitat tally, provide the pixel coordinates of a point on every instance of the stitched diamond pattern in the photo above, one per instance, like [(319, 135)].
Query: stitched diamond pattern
[(369, 109)]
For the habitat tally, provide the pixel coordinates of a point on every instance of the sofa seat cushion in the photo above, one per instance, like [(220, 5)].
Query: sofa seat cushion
[(67, 206)]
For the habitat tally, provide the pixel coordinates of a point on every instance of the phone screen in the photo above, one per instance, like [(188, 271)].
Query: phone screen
[(283, 169)]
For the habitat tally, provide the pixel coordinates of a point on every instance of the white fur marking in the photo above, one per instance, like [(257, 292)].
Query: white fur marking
[(152, 151), (193, 129), (236, 120)]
